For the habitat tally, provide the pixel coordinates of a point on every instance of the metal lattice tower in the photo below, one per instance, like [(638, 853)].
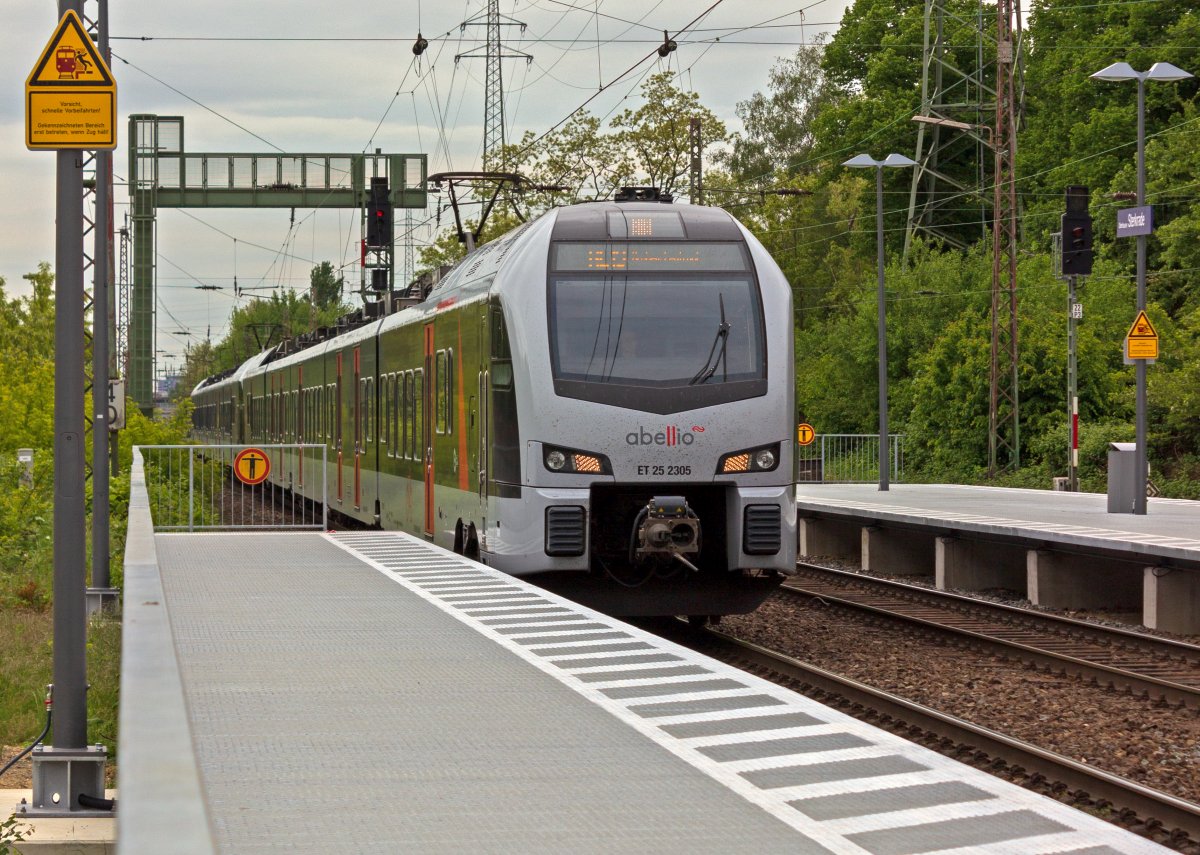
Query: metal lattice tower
[(409, 269), (954, 140), (123, 285), (1004, 415), (494, 135)]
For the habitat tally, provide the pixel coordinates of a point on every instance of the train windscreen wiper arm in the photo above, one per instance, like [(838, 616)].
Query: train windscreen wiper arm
[(710, 365)]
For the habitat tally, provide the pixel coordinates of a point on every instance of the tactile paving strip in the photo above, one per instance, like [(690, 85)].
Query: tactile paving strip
[(843, 784)]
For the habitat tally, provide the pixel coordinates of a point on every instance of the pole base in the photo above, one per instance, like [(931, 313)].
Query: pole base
[(97, 599), (60, 776)]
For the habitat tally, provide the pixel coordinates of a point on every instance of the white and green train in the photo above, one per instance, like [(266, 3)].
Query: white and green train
[(602, 399)]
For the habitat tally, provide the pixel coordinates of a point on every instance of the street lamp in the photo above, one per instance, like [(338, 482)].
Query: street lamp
[(1163, 72), (865, 161)]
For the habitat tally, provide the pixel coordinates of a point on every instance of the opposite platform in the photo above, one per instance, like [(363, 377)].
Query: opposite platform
[(1170, 529), (369, 692)]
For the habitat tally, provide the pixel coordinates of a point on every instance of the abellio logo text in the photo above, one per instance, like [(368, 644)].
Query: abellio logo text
[(670, 435)]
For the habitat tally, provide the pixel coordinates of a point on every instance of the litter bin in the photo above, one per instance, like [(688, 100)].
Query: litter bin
[(1122, 477)]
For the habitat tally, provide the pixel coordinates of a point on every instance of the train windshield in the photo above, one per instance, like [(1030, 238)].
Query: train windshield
[(685, 317)]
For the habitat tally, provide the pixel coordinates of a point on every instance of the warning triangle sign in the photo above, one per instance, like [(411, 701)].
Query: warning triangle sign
[(1142, 328), (70, 59)]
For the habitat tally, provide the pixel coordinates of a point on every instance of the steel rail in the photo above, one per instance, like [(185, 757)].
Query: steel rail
[(1177, 816), (1166, 645), (1170, 691)]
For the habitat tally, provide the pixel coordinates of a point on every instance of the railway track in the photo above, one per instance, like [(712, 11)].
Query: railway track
[(1166, 819), (1158, 668)]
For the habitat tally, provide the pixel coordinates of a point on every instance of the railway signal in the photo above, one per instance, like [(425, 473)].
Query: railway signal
[(379, 215), (1077, 234)]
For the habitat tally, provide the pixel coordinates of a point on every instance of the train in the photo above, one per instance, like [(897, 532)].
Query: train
[(600, 400)]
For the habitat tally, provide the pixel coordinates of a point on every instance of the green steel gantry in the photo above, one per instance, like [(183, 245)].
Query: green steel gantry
[(164, 175)]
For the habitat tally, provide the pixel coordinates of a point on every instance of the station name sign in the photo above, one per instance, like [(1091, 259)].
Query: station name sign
[(1132, 222)]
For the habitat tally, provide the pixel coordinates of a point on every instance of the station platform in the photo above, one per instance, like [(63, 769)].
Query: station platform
[(1061, 549), (368, 692)]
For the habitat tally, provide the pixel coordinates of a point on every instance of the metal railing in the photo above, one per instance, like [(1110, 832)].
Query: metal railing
[(194, 488), (847, 458)]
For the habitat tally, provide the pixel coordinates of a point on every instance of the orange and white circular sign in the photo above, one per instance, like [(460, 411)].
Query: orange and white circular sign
[(251, 466)]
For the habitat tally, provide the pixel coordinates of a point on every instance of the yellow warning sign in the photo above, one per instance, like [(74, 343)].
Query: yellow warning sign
[(805, 434), (70, 96), (1141, 342), (251, 466)]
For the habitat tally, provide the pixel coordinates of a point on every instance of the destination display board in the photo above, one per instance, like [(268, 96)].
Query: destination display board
[(650, 256)]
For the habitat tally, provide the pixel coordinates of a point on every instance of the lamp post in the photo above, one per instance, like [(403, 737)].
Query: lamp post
[(1163, 72), (865, 161)]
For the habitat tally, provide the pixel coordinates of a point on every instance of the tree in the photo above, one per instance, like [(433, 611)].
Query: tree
[(655, 136), (27, 365), (263, 323), (326, 288), (1083, 131), (778, 135)]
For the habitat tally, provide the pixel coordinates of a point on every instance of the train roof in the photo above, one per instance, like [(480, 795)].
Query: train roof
[(602, 220), (643, 220)]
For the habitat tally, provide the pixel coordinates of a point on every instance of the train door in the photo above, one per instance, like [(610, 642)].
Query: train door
[(300, 425), (337, 423), (426, 433), (359, 405)]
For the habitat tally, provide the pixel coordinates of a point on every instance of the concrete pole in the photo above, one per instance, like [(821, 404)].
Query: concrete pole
[(882, 321), (1142, 472)]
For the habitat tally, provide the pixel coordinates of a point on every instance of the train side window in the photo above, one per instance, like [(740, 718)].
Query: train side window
[(396, 380), (396, 412), (372, 410), (440, 375), (385, 399), (406, 416), (418, 423), (337, 412), (449, 390), (385, 412)]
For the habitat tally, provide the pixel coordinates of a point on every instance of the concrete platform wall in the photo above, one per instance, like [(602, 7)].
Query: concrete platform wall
[(974, 565), (1169, 599), (1065, 581), (830, 538), (900, 552), (1172, 600)]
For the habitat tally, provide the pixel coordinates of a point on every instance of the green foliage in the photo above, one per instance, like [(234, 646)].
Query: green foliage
[(12, 830), (654, 138), (778, 135), (1083, 131), (447, 249), (326, 288), (263, 323), (27, 365)]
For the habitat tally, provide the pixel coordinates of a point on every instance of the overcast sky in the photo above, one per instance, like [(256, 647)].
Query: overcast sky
[(307, 76)]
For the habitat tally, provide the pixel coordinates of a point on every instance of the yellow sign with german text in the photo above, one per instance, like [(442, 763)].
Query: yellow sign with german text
[(1141, 342), (70, 96)]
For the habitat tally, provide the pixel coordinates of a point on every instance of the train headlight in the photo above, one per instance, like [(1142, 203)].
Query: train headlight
[(569, 460), (762, 459)]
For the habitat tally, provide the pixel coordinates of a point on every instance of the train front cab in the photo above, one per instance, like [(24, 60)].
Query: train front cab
[(657, 459)]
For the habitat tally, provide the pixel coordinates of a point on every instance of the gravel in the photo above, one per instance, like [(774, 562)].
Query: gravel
[(1147, 742)]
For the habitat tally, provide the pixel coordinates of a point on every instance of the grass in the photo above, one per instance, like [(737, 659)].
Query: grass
[(27, 665)]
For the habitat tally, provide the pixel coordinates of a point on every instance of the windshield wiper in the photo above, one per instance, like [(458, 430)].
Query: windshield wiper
[(710, 365)]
